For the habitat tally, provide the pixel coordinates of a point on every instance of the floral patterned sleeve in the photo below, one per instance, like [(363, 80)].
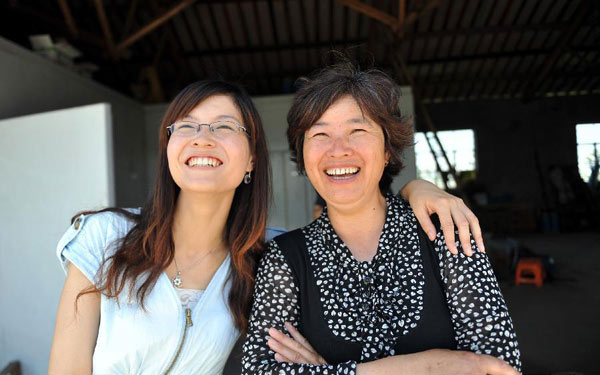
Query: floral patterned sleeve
[(481, 320), (275, 302)]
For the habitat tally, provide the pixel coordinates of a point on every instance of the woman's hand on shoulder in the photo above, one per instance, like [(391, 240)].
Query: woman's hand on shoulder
[(295, 349), (426, 199)]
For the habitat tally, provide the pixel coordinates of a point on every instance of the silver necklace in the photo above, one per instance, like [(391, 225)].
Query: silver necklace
[(177, 279)]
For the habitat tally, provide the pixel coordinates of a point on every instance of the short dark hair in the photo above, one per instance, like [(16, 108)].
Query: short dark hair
[(377, 95)]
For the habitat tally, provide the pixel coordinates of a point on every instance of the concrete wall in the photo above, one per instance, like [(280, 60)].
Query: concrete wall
[(52, 165), (31, 84), (508, 134)]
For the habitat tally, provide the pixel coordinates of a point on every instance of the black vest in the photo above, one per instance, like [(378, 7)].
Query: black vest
[(434, 329)]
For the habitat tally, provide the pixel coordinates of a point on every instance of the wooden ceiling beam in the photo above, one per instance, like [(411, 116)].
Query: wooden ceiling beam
[(401, 16), (388, 19), (412, 16), (130, 17), (66, 11), (371, 12), (184, 68), (137, 35), (553, 57), (106, 31)]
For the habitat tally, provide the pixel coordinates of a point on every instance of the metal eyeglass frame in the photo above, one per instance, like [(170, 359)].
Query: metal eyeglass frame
[(170, 128)]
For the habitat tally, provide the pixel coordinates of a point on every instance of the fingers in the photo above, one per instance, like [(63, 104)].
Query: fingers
[(495, 366), (291, 349), (464, 234), (297, 336), (302, 340), (475, 230), (281, 358), (425, 221), (466, 220), (447, 224)]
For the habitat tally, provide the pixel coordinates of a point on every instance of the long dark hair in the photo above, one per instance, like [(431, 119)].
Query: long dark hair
[(148, 248)]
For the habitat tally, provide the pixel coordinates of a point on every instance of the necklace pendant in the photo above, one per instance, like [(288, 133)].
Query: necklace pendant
[(177, 280)]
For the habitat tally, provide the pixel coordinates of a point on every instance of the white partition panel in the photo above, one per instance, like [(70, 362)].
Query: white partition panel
[(53, 165)]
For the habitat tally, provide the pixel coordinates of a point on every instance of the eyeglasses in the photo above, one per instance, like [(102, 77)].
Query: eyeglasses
[(222, 129)]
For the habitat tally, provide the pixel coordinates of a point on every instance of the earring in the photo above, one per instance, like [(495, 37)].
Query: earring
[(247, 177), (387, 162)]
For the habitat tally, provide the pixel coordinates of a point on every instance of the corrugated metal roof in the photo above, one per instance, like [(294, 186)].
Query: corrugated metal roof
[(454, 49)]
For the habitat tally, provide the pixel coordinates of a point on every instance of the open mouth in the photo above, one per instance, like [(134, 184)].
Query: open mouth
[(342, 173), (203, 162)]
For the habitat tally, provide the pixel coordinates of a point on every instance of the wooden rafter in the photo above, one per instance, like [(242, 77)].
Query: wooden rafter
[(153, 24), (130, 17), (105, 26), (371, 12), (552, 58), (66, 11), (412, 16), (401, 18), (175, 47)]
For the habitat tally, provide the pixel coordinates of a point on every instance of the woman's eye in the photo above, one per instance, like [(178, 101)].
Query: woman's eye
[(358, 130), (316, 135), (185, 126)]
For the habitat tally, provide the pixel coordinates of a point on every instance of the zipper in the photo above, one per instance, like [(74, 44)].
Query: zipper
[(188, 324)]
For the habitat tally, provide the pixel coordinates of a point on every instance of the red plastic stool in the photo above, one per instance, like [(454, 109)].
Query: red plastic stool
[(530, 271)]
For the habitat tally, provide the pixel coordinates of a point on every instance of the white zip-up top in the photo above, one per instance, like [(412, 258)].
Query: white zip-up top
[(164, 338)]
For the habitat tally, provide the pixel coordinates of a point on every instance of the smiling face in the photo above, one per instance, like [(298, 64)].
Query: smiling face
[(205, 162), (344, 154)]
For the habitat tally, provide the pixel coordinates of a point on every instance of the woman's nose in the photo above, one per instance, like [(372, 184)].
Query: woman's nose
[(340, 146), (204, 136)]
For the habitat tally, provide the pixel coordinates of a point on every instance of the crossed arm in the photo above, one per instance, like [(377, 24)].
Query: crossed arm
[(483, 328)]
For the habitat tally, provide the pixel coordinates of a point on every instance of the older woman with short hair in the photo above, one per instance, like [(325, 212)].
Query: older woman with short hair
[(362, 289)]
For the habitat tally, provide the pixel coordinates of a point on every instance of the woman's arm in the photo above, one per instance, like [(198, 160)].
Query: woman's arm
[(76, 328), (479, 314), (426, 199), (275, 302), (437, 362), (432, 362)]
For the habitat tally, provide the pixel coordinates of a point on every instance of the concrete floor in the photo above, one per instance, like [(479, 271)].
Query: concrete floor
[(558, 326)]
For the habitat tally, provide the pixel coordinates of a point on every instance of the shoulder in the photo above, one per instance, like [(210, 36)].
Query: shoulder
[(90, 237), (273, 232)]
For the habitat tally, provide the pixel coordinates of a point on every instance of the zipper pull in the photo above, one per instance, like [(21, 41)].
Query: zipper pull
[(188, 318)]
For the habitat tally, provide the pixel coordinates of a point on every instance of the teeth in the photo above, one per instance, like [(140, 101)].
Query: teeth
[(204, 162), (341, 171)]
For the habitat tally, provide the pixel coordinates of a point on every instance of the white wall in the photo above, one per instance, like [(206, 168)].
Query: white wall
[(31, 84), (52, 165), (293, 195)]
